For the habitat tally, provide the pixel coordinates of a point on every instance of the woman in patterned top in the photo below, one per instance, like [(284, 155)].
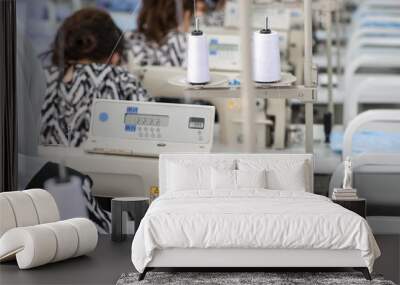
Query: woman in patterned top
[(85, 57), (160, 38), (213, 14)]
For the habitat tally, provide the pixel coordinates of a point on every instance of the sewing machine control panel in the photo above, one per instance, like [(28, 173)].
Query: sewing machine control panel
[(126, 127), (224, 50)]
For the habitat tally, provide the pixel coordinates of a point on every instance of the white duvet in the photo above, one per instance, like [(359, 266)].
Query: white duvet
[(250, 219)]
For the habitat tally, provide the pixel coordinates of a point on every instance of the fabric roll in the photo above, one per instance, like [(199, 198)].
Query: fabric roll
[(87, 235), (46, 207), (23, 207), (7, 218)]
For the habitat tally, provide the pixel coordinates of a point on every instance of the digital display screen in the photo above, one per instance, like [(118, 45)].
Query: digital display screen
[(224, 47), (146, 120), (196, 123)]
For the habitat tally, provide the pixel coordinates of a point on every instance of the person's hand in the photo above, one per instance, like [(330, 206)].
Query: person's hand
[(201, 7)]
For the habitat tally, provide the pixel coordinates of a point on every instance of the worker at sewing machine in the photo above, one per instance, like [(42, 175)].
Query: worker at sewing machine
[(85, 59), (161, 35), (85, 65), (211, 12)]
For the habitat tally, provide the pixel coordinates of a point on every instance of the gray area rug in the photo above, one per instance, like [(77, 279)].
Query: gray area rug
[(268, 278)]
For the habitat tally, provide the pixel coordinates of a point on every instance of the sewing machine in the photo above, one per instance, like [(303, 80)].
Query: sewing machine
[(148, 129), (125, 139)]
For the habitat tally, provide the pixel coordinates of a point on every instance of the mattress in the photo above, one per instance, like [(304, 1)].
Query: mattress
[(252, 218)]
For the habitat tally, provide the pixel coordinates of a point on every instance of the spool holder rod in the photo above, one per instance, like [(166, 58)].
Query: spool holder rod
[(247, 88), (197, 25), (308, 74)]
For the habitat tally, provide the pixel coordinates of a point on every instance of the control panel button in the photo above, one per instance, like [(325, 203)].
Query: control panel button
[(130, 128), (103, 117), (132, 109)]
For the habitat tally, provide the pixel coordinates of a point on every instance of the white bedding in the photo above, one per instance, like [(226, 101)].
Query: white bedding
[(252, 218)]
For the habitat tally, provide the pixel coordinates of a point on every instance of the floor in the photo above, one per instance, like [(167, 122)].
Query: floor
[(388, 264), (95, 268), (110, 259)]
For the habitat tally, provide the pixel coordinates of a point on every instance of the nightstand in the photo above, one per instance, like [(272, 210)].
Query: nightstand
[(358, 206), (135, 207)]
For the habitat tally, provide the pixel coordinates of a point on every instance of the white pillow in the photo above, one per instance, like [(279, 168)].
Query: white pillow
[(223, 179), (282, 174), (251, 178), (226, 179), (295, 181), (185, 174), (181, 177)]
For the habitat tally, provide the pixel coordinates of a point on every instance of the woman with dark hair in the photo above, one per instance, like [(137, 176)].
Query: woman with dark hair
[(212, 12), (85, 56), (160, 38)]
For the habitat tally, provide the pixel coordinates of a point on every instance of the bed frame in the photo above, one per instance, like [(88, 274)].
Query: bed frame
[(244, 259)]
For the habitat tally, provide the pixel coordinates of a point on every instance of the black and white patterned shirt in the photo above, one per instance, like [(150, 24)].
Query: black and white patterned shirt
[(67, 106), (171, 53)]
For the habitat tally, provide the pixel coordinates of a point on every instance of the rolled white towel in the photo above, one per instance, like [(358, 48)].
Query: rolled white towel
[(87, 235), (7, 218), (45, 205), (32, 246), (23, 208), (40, 244), (67, 239)]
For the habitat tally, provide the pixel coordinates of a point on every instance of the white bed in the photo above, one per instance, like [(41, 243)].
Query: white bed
[(212, 225)]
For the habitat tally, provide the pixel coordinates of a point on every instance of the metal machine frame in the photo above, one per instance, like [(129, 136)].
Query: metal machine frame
[(306, 93)]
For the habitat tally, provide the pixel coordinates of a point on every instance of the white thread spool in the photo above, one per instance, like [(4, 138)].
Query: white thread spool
[(266, 56), (198, 72)]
